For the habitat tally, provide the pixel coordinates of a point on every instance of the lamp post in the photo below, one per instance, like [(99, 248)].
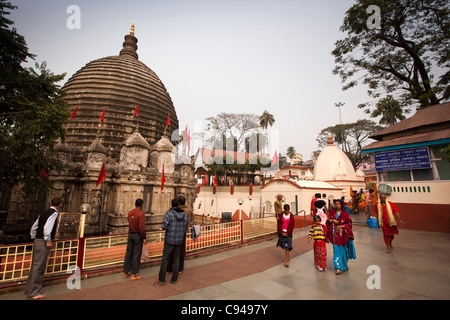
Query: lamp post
[(339, 105), (250, 210), (240, 201), (84, 208)]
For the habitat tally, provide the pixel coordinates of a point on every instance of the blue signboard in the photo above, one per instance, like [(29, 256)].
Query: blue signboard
[(406, 159)]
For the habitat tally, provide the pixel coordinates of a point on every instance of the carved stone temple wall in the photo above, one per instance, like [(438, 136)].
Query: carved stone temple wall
[(133, 147)]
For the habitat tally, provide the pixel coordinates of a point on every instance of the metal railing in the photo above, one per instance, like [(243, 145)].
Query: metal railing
[(255, 228), (15, 260), (97, 253), (213, 235)]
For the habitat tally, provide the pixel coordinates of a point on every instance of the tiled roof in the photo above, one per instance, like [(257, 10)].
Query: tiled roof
[(430, 116)]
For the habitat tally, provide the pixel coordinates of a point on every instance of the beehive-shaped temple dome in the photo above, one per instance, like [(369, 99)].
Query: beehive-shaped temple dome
[(333, 164), (117, 84)]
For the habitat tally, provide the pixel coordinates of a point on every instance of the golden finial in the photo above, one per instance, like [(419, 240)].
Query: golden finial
[(132, 28)]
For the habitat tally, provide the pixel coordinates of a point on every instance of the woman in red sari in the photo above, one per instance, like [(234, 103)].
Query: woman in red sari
[(340, 234)]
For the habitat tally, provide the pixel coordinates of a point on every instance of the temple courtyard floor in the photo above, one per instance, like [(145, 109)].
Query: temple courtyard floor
[(417, 269)]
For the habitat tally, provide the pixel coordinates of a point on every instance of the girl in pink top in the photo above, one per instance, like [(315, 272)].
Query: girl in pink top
[(285, 230)]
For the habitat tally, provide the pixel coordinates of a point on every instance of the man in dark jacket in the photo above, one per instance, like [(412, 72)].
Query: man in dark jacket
[(175, 223)]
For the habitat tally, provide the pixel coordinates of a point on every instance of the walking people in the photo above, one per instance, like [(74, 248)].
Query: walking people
[(136, 239), (313, 209), (355, 200), (340, 234), (369, 202), (285, 230), (385, 211), (175, 223), (321, 210), (43, 232), (317, 232), (278, 206)]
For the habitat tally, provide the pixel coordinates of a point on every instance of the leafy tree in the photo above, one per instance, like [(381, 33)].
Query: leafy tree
[(390, 111), (230, 126), (32, 113), (228, 166), (404, 55), (446, 152), (266, 119), (290, 152), (352, 137)]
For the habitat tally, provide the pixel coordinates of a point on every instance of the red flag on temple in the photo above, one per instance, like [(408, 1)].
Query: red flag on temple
[(215, 179), (44, 174), (72, 116), (103, 116), (168, 120), (189, 140), (102, 174), (275, 158), (186, 139), (163, 179), (136, 111)]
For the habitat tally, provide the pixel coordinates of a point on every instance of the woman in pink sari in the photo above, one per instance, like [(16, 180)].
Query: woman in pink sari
[(340, 234)]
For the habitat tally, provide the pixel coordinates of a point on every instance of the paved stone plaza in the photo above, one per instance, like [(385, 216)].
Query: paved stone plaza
[(418, 268)]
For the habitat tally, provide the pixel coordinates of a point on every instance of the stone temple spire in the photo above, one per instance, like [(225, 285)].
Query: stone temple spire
[(130, 45)]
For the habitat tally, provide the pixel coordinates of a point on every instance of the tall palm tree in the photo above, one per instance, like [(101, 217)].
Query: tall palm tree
[(390, 111), (290, 152), (266, 119)]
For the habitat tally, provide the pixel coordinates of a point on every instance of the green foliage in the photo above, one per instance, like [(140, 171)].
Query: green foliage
[(390, 111), (227, 165), (290, 152), (405, 57), (32, 114), (351, 138), (266, 119), (446, 152)]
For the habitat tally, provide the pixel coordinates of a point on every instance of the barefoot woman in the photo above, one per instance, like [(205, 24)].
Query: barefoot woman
[(340, 234)]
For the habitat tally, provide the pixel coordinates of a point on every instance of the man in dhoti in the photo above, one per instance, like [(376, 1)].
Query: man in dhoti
[(385, 211)]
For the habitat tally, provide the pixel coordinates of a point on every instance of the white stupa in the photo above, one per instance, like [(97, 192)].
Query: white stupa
[(333, 166)]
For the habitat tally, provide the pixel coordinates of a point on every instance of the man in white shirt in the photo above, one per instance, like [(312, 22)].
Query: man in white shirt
[(42, 231)]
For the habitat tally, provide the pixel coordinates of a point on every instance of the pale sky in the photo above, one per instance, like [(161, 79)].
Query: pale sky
[(213, 56)]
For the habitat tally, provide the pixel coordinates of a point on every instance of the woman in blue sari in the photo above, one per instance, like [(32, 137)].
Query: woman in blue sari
[(340, 234)]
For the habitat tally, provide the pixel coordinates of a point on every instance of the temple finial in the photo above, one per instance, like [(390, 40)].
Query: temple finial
[(132, 28), (330, 140), (130, 45)]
